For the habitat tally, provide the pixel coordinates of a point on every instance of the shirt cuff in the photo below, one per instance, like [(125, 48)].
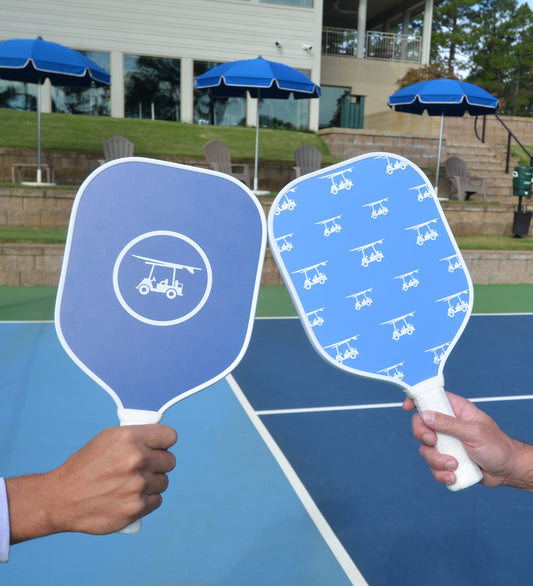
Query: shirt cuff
[(4, 523)]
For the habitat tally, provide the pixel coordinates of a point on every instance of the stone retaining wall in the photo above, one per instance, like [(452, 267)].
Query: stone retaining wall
[(491, 267), (73, 167), (30, 265), (42, 207), (50, 208), (40, 264)]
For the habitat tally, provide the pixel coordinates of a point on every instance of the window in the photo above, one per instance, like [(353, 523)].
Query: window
[(214, 110), (303, 3), (152, 87), (330, 106), (93, 101), (17, 95), (290, 113)]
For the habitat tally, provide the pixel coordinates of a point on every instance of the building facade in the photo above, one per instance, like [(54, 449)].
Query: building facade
[(155, 50)]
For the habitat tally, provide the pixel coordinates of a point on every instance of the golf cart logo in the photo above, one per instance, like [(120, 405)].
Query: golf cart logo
[(171, 288), (162, 278)]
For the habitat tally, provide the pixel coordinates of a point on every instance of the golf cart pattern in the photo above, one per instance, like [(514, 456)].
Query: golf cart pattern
[(331, 225), (394, 262)]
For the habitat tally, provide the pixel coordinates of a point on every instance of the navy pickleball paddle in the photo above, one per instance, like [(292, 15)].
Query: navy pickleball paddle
[(159, 283)]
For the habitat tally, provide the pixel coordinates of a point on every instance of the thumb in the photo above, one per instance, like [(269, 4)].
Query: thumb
[(447, 424)]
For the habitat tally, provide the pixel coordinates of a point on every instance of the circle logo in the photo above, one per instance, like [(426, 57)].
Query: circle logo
[(162, 278)]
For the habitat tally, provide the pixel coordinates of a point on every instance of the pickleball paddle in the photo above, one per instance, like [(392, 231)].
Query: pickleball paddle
[(159, 282), (377, 278)]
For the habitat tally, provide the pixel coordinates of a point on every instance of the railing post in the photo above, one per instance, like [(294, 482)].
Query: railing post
[(508, 152)]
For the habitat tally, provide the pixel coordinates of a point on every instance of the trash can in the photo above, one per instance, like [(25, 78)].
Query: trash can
[(521, 222), (522, 177)]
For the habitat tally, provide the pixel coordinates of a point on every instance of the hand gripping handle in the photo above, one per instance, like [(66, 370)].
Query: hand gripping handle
[(430, 396), (136, 417)]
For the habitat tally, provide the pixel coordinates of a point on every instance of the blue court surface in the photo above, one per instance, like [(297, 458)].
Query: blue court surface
[(291, 472)]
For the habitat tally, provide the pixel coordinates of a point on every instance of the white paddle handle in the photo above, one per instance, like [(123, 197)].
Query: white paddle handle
[(430, 396), (136, 417)]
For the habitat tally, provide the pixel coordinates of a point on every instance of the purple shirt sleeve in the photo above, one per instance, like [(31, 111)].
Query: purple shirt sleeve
[(4, 523)]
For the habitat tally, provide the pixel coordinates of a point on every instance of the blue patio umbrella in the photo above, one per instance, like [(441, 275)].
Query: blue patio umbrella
[(443, 97), (36, 60), (261, 79)]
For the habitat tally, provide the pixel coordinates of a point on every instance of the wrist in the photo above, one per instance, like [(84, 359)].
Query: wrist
[(32, 510)]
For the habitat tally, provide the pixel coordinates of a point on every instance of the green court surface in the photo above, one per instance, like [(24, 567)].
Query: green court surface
[(275, 301), (37, 303)]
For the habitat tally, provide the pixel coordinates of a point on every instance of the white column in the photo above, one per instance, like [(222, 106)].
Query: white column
[(405, 22), (46, 97), (251, 110), (187, 90), (426, 36), (405, 32), (361, 29), (117, 84)]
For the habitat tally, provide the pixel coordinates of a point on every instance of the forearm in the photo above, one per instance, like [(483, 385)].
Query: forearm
[(521, 473), (33, 510), (115, 479)]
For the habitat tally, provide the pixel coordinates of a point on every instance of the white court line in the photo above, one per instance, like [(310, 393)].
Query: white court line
[(27, 321), (325, 409), (381, 406), (499, 314), (345, 561), (502, 314)]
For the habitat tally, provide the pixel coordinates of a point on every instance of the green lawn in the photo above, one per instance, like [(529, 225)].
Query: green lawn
[(494, 243), (58, 236), (33, 235), (151, 137)]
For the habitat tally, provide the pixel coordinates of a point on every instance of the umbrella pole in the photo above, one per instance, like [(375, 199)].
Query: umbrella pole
[(438, 155), (256, 164), (39, 174)]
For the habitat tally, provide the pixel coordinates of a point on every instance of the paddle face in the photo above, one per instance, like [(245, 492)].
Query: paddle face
[(160, 279), (372, 267)]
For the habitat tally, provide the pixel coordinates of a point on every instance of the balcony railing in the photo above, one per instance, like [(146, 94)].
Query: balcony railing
[(378, 45)]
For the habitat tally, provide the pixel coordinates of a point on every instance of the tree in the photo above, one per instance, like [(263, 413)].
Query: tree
[(488, 42), (502, 53), (425, 73), (451, 33)]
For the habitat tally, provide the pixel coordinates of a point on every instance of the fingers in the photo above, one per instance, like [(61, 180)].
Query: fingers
[(441, 465), (408, 404), (160, 461), (157, 436), (118, 477)]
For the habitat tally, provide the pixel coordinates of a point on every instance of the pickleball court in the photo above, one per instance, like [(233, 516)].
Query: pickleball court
[(290, 473)]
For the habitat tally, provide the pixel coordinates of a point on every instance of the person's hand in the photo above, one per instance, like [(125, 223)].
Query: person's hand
[(115, 479), (501, 458)]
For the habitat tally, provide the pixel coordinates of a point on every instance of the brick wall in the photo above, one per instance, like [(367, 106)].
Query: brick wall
[(37, 264), (30, 264)]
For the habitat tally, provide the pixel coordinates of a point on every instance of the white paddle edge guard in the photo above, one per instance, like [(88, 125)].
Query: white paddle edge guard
[(136, 417), (430, 395)]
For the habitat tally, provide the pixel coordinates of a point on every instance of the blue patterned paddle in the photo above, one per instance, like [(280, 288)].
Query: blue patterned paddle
[(377, 278)]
